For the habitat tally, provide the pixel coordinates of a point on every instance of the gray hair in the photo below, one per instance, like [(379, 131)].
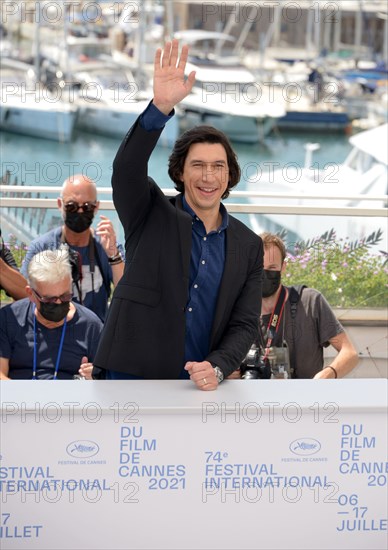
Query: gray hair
[(50, 266)]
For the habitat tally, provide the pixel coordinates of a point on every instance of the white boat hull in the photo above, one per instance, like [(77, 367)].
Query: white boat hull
[(115, 122), (243, 121), (54, 124), (363, 173), (240, 129)]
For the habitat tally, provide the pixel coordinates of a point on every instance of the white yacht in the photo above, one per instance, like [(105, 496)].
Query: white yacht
[(360, 181), (73, 52), (109, 92), (225, 93), (28, 108), (110, 99)]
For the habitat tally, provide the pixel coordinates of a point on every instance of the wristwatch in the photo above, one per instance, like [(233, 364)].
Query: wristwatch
[(219, 373), (116, 258)]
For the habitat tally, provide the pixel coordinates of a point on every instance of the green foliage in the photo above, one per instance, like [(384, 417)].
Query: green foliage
[(18, 250), (349, 274)]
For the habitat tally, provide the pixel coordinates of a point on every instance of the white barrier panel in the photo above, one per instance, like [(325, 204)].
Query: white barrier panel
[(162, 465)]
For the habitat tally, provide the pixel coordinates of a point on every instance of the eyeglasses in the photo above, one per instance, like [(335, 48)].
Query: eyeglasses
[(66, 297), (73, 206)]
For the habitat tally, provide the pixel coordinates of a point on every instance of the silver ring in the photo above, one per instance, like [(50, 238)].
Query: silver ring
[(204, 382)]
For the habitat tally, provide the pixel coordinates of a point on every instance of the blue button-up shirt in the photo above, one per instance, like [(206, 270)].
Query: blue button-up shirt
[(206, 268)]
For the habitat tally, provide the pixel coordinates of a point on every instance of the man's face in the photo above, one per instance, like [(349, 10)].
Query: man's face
[(48, 291), (273, 266), (52, 299), (272, 258), (79, 191), (205, 176), (78, 204)]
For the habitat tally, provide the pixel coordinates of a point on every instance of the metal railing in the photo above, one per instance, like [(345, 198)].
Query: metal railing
[(241, 208)]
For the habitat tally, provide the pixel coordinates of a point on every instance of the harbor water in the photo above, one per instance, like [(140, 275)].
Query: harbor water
[(35, 161)]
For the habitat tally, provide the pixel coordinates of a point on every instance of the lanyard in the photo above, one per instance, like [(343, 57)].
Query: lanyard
[(59, 350), (275, 319)]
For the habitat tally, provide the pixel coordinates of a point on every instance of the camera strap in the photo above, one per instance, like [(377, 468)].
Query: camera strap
[(295, 293), (94, 254), (275, 320), (94, 259), (76, 280)]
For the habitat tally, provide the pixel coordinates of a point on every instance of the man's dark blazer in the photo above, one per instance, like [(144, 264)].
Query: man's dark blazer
[(144, 333)]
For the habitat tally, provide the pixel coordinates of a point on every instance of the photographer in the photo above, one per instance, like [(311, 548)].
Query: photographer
[(46, 336), (96, 259), (11, 280), (296, 324)]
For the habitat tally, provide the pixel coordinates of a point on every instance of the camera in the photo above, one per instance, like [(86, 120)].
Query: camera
[(275, 365), (279, 359), (75, 263), (76, 269), (255, 365)]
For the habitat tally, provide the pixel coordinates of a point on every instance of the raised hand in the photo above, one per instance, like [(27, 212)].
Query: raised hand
[(170, 84), (107, 235)]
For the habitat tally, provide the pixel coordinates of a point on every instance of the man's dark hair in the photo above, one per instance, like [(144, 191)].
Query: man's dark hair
[(201, 134)]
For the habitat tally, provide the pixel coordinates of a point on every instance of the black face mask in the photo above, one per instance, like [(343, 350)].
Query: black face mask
[(79, 221), (271, 282), (54, 312)]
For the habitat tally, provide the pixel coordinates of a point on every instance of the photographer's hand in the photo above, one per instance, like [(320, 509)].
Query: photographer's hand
[(85, 369), (236, 375), (106, 232), (107, 235), (202, 374)]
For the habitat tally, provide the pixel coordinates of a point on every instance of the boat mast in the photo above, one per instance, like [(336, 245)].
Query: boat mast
[(65, 66), (36, 43), (139, 42)]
